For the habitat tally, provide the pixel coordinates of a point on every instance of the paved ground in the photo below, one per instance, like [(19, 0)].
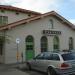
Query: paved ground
[(12, 72), (17, 70)]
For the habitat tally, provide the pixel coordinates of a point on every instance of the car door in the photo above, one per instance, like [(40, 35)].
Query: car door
[(50, 59), (46, 61), (36, 62), (55, 60)]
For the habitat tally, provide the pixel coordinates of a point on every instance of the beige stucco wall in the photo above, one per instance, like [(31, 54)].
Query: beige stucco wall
[(35, 29), (13, 17)]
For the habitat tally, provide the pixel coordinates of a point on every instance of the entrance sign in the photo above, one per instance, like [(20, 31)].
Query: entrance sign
[(51, 32), (17, 40)]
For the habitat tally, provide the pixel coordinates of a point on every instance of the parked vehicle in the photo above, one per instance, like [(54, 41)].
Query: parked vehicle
[(54, 63)]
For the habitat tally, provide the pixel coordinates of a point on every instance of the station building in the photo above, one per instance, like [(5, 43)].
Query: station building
[(25, 33)]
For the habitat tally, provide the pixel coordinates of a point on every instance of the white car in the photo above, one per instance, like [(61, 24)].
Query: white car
[(61, 63)]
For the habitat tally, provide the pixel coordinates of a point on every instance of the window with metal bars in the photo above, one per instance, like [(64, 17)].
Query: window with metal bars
[(56, 43), (44, 44), (3, 20), (29, 43), (71, 43)]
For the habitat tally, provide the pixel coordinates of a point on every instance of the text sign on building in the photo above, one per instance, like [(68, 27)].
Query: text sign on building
[(51, 32)]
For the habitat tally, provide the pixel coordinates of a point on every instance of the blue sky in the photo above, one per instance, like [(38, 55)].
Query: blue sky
[(66, 8)]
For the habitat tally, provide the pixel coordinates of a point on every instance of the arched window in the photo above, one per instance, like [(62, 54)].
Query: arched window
[(51, 24), (71, 43), (56, 43), (29, 43), (44, 44)]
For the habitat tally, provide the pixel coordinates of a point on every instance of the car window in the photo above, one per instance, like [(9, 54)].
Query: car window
[(55, 57), (40, 56), (68, 56), (48, 56)]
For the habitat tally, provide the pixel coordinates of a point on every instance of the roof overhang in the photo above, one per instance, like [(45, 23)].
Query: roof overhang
[(24, 21)]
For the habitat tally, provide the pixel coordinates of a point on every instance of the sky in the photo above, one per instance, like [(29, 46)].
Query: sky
[(65, 8)]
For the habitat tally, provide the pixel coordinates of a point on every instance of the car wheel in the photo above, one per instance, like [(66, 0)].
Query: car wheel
[(28, 66), (51, 71)]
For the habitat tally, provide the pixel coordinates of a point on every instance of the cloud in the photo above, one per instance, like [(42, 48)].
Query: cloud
[(39, 5), (36, 5), (8, 2)]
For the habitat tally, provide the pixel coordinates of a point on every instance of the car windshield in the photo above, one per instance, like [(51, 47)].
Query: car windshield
[(68, 56)]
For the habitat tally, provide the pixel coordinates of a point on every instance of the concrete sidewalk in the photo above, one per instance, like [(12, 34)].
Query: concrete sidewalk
[(12, 69), (12, 72), (9, 66), (16, 69)]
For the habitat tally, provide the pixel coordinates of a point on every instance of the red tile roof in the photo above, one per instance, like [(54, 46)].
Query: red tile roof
[(24, 21), (12, 8)]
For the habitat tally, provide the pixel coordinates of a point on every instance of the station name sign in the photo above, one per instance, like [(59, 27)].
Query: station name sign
[(51, 32)]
